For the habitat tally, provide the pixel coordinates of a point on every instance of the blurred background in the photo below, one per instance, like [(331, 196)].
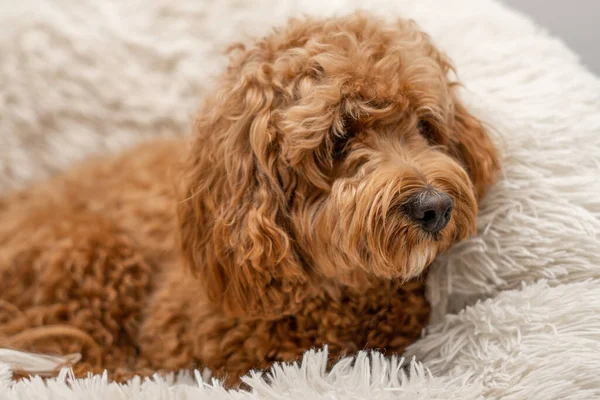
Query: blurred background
[(79, 78), (574, 21)]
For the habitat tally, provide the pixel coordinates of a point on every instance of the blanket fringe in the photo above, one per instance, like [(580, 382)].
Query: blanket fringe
[(22, 362)]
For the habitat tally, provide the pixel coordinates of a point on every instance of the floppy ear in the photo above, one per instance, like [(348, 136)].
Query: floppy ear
[(233, 212), (470, 144), (468, 141)]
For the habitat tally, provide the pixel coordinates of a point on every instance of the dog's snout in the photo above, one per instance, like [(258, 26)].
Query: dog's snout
[(431, 209)]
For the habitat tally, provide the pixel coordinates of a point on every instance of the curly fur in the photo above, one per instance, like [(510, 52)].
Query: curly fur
[(282, 228)]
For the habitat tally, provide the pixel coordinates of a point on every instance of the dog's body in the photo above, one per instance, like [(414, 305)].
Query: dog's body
[(330, 168), (94, 263)]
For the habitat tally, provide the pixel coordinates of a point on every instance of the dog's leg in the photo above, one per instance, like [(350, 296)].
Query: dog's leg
[(166, 335), (71, 282), (182, 330)]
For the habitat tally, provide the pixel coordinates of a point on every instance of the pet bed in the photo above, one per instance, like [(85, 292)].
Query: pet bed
[(516, 309)]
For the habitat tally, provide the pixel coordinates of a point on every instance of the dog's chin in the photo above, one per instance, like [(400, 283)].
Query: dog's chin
[(409, 259), (410, 252), (404, 265), (402, 258), (419, 258)]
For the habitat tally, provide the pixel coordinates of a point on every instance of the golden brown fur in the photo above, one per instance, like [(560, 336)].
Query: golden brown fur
[(285, 228)]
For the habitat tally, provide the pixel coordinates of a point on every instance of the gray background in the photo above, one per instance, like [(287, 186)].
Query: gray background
[(576, 22)]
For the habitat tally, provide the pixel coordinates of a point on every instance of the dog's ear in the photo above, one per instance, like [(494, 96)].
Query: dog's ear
[(232, 211), (468, 140), (471, 145)]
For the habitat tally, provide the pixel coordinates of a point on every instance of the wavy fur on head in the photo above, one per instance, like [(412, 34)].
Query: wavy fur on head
[(302, 163), (290, 213)]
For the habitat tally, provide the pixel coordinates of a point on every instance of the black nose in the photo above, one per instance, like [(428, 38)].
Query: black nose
[(431, 209)]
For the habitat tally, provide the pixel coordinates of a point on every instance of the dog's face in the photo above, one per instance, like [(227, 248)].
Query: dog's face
[(337, 151)]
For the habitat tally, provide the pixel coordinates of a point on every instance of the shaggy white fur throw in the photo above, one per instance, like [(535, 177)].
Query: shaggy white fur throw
[(516, 310)]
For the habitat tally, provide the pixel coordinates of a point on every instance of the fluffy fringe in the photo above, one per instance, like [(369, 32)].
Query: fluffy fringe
[(38, 364), (535, 342), (369, 375)]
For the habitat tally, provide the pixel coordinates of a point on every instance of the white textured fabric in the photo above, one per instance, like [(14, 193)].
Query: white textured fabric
[(367, 376), (516, 310)]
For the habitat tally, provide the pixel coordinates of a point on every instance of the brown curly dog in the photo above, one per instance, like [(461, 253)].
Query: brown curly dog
[(331, 166)]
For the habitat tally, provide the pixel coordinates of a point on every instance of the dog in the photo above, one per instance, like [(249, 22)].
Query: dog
[(330, 166)]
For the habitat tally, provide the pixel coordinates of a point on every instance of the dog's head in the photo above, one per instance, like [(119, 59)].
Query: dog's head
[(335, 150)]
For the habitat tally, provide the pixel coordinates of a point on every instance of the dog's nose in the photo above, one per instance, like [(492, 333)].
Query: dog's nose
[(431, 209)]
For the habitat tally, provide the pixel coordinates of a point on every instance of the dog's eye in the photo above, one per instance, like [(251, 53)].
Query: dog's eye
[(339, 146), (425, 129), (340, 142)]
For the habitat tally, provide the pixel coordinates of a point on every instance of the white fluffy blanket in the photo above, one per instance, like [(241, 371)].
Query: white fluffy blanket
[(516, 309)]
